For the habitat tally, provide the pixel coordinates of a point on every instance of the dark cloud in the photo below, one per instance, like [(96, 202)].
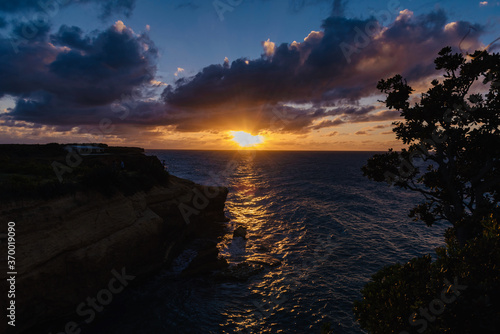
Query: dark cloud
[(72, 37), (328, 124), (381, 126), (340, 63), (76, 78), (31, 19), (30, 31), (50, 7), (384, 115), (18, 5), (356, 115), (71, 77)]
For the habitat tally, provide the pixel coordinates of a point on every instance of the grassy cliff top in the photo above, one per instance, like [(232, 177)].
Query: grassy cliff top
[(51, 170)]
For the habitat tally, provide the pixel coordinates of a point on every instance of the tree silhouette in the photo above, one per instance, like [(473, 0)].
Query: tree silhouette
[(453, 142), (452, 158)]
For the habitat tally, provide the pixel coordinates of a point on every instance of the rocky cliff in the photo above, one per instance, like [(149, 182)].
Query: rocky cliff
[(87, 246)]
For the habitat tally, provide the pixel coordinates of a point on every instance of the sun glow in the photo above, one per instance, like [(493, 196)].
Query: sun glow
[(245, 139)]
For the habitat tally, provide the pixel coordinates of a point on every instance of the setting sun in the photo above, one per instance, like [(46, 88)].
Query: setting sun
[(245, 139)]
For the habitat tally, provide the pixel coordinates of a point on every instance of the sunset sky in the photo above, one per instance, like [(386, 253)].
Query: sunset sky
[(298, 74)]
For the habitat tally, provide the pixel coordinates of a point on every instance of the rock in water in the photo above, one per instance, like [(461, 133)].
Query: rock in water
[(240, 272), (240, 232), (206, 261)]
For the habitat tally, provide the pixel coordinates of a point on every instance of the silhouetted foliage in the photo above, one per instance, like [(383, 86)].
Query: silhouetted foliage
[(453, 138), (452, 158), (421, 296)]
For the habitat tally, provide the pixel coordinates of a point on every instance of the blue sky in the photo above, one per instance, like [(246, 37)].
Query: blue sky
[(89, 56), (191, 35)]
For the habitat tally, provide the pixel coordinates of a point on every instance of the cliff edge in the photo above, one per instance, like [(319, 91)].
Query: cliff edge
[(89, 244)]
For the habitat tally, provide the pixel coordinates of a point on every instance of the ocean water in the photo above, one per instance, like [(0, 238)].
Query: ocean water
[(330, 227)]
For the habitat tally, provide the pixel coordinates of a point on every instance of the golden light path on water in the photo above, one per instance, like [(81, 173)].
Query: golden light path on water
[(314, 213), (251, 198)]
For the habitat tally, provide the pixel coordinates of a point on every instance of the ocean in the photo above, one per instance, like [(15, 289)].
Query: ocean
[(330, 227)]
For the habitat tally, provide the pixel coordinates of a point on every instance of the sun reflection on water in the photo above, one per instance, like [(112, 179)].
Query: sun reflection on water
[(251, 196), (312, 211)]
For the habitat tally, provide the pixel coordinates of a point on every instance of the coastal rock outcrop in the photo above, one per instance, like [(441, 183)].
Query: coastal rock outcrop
[(69, 249), (240, 232)]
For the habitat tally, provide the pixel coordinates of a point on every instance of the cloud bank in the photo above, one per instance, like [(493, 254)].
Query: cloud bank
[(68, 78), (331, 68)]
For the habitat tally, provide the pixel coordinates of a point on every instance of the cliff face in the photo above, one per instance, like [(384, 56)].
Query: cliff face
[(71, 248)]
